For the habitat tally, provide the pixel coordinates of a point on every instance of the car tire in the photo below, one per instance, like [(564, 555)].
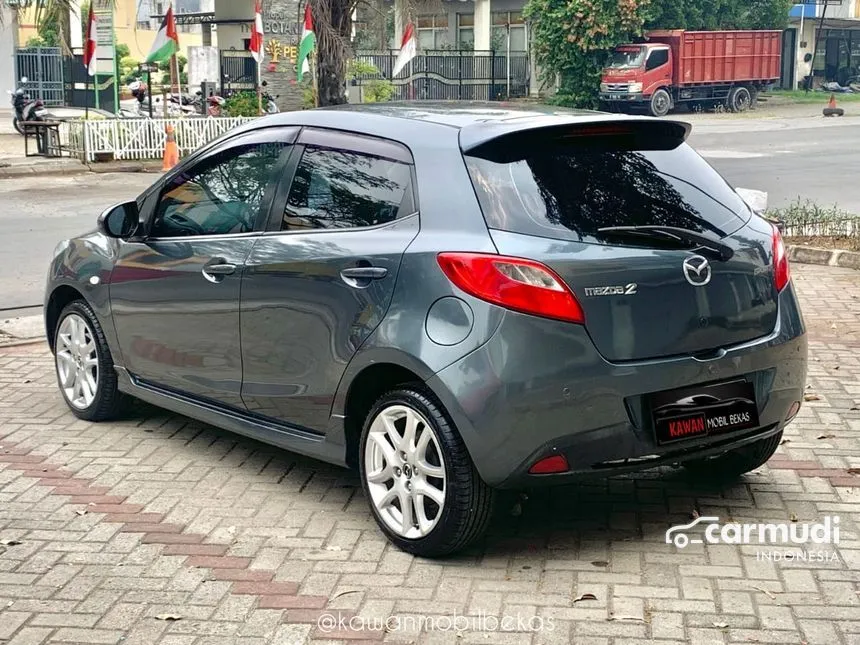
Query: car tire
[(833, 112), (739, 99), (437, 461), (661, 103), (739, 461), (84, 365)]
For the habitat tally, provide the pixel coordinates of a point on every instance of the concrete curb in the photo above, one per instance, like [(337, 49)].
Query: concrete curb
[(32, 170), (77, 168), (826, 257)]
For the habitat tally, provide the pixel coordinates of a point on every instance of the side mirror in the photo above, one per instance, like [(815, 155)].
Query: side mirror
[(121, 221)]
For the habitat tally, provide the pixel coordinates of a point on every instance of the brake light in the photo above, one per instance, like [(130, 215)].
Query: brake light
[(513, 283), (781, 269)]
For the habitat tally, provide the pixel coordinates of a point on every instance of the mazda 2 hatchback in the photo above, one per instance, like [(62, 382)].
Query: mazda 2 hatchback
[(450, 299)]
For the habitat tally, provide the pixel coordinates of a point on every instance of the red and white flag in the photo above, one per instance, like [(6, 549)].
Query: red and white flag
[(408, 49), (91, 43), (257, 34)]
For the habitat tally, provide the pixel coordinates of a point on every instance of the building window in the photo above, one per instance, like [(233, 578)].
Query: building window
[(465, 31), (509, 25), (432, 31)]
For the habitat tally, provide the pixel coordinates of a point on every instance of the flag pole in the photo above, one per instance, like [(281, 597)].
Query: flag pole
[(260, 88), (314, 70)]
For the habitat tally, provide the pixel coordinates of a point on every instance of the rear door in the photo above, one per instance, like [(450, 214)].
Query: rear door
[(321, 280), (643, 298)]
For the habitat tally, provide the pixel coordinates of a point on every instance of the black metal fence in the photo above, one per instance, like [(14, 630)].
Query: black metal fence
[(43, 69), (452, 74), (238, 72)]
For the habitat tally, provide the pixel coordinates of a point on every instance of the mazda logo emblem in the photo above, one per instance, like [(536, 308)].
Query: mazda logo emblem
[(697, 270)]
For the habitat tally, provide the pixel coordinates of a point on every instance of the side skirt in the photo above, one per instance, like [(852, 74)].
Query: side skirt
[(267, 431)]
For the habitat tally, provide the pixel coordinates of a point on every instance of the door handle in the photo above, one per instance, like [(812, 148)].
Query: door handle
[(365, 273), (217, 269), (362, 277)]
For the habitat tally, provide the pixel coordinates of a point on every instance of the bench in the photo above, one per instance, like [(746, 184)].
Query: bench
[(47, 135)]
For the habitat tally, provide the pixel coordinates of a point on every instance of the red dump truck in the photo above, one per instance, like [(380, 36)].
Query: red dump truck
[(704, 68)]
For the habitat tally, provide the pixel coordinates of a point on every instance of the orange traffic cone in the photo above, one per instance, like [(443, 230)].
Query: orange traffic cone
[(831, 109), (171, 150)]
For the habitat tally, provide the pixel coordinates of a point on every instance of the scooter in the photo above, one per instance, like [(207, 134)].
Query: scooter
[(26, 109), (269, 101)]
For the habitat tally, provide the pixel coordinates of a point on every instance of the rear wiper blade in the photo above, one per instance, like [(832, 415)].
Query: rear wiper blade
[(701, 243)]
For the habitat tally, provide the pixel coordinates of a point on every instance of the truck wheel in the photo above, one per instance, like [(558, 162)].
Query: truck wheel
[(740, 99), (661, 103)]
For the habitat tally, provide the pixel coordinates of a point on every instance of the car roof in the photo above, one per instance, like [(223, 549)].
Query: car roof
[(476, 122)]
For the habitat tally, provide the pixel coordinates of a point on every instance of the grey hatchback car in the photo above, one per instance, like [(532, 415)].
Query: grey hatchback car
[(449, 298)]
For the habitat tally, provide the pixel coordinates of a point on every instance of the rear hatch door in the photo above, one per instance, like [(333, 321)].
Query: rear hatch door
[(595, 202)]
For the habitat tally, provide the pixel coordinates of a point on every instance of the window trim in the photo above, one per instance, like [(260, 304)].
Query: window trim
[(284, 134), (346, 141)]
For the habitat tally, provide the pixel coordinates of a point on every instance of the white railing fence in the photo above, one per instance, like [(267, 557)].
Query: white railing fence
[(141, 139)]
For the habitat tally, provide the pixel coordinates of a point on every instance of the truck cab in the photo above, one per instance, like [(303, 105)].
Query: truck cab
[(636, 73)]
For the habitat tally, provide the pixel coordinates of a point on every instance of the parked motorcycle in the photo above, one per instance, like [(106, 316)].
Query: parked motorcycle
[(269, 101), (26, 109)]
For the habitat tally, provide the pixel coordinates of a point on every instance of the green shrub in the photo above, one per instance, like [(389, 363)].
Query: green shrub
[(242, 104)]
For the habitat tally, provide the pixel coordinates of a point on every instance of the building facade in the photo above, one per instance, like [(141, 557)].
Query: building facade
[(835, 42), (7, 51)]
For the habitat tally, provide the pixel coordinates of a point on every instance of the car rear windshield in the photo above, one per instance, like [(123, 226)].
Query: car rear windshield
[(571, 192)]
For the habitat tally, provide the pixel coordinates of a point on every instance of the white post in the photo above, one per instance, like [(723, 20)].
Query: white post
[(76, 35), (399, 21), (483, 25)]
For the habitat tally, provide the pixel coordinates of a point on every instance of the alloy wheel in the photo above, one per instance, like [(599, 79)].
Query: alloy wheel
[(77, 361), (405, 472)]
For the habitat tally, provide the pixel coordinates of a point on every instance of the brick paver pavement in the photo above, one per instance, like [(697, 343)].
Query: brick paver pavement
[(123, 526)]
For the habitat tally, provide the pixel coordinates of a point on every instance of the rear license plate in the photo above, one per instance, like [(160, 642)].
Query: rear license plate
[(704, 410), (617, 95)]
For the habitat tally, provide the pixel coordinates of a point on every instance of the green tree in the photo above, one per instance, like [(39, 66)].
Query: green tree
[(719, 14), (573, 38)]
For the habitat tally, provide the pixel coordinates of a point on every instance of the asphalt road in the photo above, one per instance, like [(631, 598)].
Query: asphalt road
[(812, 158), (787, 157)]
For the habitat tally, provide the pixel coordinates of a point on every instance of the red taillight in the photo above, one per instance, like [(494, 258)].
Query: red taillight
[(781, 270), (514, 283), (550, 466)]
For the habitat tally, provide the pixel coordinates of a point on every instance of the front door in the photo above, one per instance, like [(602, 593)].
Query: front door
[(175, 293), (319, 283)]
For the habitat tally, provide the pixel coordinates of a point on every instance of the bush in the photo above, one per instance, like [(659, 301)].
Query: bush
[(375, 89), (806, 218), (242, 104)]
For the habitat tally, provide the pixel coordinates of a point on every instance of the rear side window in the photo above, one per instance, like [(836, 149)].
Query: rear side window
[(345, 189), (572, 192)]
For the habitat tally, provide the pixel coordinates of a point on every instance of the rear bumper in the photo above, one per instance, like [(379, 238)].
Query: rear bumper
[(539, 387)]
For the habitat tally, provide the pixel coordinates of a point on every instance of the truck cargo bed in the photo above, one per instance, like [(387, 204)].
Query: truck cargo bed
[(723, 56)]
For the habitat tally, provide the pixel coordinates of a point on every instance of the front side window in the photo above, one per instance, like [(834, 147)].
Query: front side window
[(658, 58), (219, 196), (344, 189)]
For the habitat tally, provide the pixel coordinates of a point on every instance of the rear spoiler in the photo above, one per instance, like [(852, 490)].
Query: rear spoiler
[(511, 137)]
